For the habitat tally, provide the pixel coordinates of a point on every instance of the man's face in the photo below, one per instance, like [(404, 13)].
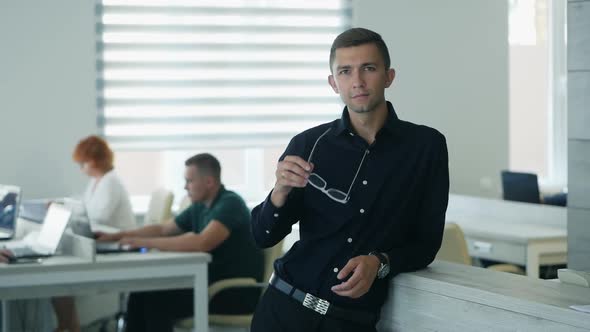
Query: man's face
[(196, 186), (359, 76)]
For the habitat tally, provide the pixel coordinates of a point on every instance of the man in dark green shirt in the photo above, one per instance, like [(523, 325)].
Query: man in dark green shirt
[(217, 222)]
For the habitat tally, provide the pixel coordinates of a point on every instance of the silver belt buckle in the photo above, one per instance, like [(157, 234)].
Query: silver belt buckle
[(316, 304)]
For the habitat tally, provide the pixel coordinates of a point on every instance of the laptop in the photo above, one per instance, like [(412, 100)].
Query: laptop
[(9, 207), (34, 210), (46, 243), (83, 228)]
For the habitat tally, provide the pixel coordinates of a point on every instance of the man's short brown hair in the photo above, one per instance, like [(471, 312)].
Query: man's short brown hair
[(207, 165), (360, 36)]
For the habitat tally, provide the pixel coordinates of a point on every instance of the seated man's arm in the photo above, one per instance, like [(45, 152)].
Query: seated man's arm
[(210, 238), (157, 230)]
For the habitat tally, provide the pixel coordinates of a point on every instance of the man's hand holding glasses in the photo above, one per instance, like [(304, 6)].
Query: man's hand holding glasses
[(292, 172)]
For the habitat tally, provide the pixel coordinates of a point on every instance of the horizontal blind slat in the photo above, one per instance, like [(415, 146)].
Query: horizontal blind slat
[(212, 29), (181, 73)]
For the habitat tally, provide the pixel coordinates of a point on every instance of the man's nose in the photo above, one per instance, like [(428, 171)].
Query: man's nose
[(358, 80)]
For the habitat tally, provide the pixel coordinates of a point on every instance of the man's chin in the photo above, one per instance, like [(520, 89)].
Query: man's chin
[(360, 110)]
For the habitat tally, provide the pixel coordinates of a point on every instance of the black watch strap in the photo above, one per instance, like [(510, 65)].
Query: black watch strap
[(382, 258), (383, 264)]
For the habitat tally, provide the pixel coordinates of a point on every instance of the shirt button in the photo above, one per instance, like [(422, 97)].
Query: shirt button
[(349, 240), (351, 134), (276, 215), (267, 231), (365, 182), (362, 210), (335, 269)]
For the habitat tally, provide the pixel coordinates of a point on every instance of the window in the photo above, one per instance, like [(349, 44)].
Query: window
[(538, 132), (234, 78)]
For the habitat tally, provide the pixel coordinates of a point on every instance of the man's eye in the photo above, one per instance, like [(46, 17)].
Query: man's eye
[(343, 72), (370, 68)]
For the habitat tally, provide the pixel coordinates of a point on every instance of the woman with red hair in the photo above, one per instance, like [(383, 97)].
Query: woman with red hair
[(106, 201)]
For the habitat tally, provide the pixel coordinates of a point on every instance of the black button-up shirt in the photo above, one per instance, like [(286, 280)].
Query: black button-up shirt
[(396, 205)]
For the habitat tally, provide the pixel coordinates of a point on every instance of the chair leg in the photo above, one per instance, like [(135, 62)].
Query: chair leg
[(120, 320), (120, 316)]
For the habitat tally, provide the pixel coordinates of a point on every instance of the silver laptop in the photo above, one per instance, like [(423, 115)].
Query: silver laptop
[(9, 207), (46, 243)]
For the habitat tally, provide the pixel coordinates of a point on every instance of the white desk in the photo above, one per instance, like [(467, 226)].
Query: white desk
[(68, 275), (513, 232), (452, 297)]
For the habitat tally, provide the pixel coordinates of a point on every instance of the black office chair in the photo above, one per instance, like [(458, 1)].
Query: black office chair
[(520, 187)]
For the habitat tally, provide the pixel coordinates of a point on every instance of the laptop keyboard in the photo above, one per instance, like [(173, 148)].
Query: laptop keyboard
[(23, 251)]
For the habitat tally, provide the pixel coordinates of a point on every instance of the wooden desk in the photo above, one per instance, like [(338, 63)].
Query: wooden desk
[(69, 275), (521, 233)]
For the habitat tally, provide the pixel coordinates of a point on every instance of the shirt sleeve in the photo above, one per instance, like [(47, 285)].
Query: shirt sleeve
[(429, 225), (271, 224), (184, 219)]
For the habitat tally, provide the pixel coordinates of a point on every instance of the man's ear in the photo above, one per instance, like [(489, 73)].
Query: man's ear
[(332, 83), (210, 181), (389, 77)]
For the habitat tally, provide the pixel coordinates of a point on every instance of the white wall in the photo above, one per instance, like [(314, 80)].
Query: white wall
[(529, 84), (47, 93), (452, 74), (451, 59)]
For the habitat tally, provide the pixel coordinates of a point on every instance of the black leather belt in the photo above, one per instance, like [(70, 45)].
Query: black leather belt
[(322, 306)]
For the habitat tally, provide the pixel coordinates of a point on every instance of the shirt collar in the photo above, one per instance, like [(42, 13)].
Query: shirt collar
[(219, 193), (392, 123)]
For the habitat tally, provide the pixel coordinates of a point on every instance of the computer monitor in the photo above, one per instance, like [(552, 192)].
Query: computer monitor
[(520, 187), (9, 207)]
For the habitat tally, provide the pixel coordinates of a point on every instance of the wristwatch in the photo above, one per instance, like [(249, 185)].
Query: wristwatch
[(384, 266)]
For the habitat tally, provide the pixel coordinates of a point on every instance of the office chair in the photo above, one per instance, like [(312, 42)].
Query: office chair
[(160, 207), (237, 320), (454, 249), (520, 187)]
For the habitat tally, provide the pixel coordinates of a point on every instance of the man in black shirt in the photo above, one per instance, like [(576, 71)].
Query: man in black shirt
[(370, 193)]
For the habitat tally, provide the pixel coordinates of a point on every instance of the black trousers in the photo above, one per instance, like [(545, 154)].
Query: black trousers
[(277, 312), (157, 311)]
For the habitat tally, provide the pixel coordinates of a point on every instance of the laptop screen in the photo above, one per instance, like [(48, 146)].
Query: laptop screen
[(9, 201), (54, 225)]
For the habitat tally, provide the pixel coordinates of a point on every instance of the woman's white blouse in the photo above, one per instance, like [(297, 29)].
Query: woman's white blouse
[(107, 202)]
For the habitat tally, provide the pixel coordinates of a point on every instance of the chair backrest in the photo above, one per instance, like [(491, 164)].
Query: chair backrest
[(160, 207), (270, 255), (520, 187), (454, 247), (186, 202)]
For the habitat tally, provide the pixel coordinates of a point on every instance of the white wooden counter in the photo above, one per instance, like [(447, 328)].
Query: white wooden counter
[(452, 297)]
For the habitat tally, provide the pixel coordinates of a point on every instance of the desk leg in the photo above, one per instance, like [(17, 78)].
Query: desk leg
[(538, 251), (201, 301), (533, 253), (4, 314)]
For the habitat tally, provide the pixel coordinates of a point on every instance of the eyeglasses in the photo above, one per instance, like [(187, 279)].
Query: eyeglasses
[(319, 183)]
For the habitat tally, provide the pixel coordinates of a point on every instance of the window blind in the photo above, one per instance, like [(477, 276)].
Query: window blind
[(183, 74)]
